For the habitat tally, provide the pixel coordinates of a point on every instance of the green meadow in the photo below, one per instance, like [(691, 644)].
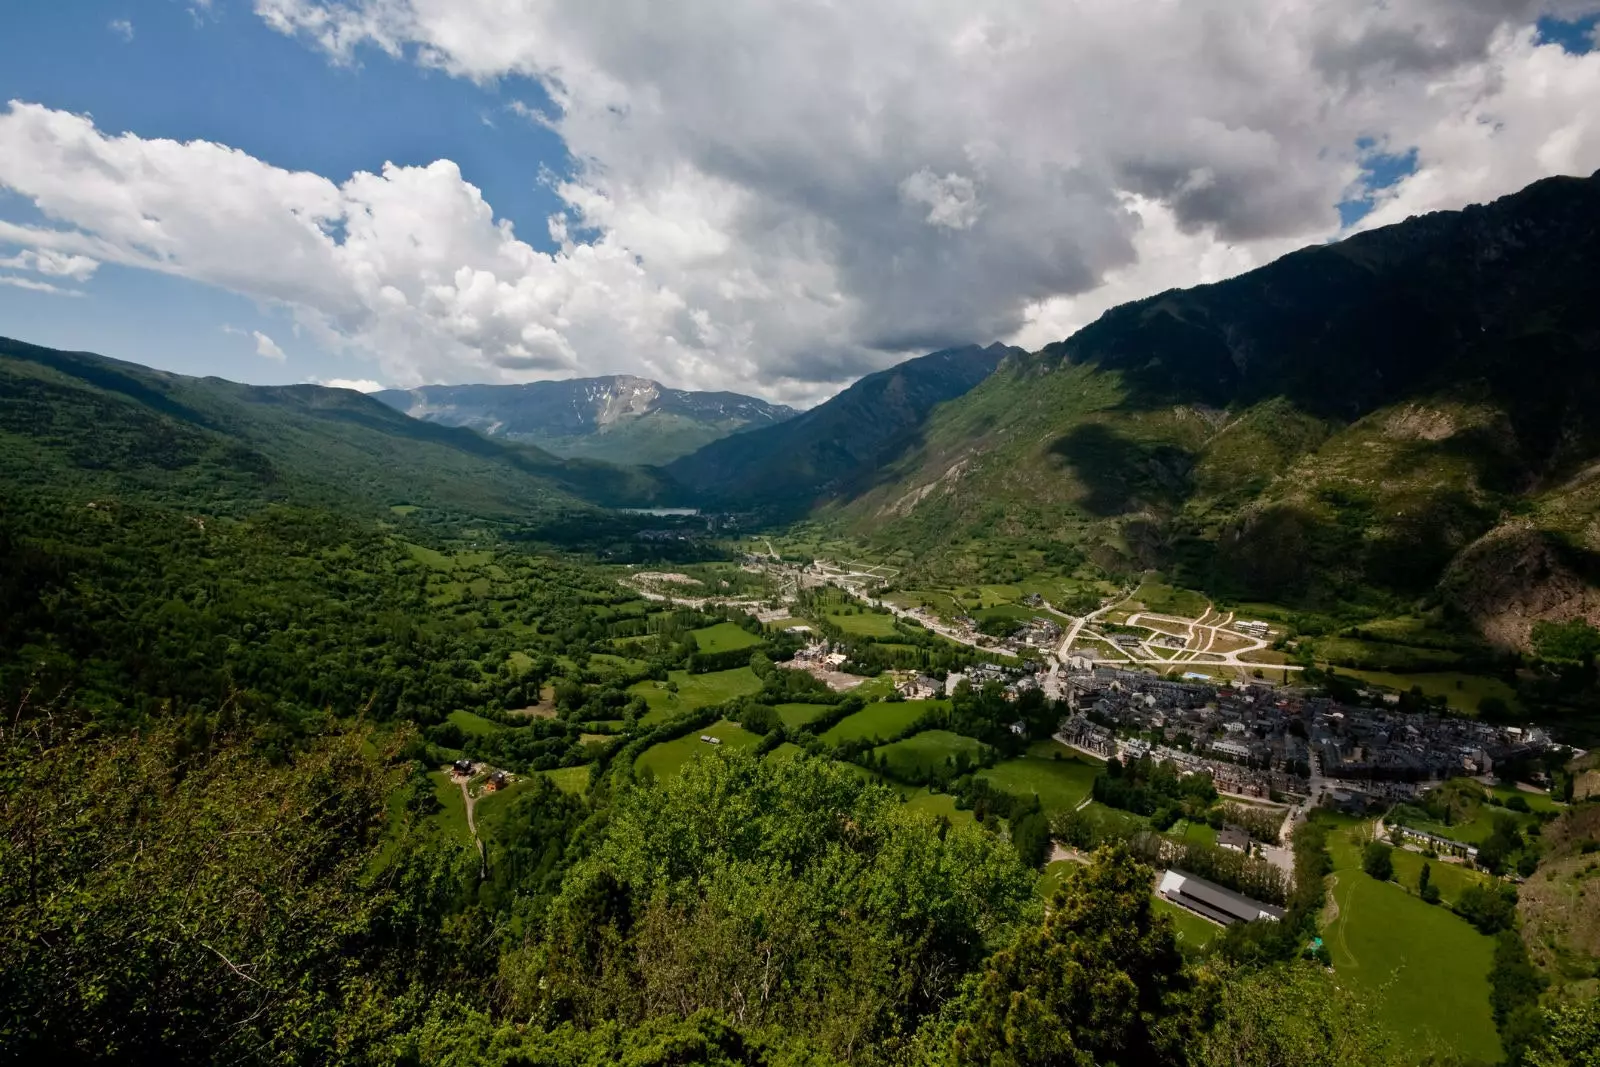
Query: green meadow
[(668, 757), (473, 725), (694, 691), (1425, 970), (878, 721), (866, 624), (937, 804), (923, 753), (794, 716), (724, 637), (1061, 783)]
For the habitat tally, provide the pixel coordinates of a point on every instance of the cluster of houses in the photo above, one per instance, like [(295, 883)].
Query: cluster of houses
[(465, 769), (1257, 740)]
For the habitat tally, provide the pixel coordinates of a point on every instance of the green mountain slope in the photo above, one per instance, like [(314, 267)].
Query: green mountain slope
[(618, 419), (120, 429), (830, 450), (1348, 425)]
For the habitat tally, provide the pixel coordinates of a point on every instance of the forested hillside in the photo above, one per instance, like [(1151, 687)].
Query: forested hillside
[(839, 446), (1408, 415), (128, 431)]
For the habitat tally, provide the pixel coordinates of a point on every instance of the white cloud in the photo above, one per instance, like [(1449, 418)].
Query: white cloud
[(267, 348), (952, 200), (35, 286), (778, 197), (122, 28), (52, 264), (360, 385)]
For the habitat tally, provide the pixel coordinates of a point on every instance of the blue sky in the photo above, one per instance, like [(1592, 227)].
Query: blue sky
[(189, 73), (765, 195)]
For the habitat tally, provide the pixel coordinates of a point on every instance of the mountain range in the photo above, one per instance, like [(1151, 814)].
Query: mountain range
[(1404, 421), (1407, 419), (619, 419)]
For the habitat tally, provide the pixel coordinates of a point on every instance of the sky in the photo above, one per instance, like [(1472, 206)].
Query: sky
[(769, 196)]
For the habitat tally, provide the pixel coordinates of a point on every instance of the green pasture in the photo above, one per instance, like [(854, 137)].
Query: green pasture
[(878, 721), (1194, 933), (1464, 692), (937, 804), (926, 752), (724, 637), (694, 691), (1061, 783), (784, 752), (569, 779), (668, 757), (794, 716), (864, 624), (1424, 969), (473, 725)]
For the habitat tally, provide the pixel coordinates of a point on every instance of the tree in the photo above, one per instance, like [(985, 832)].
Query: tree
[(1571, 1037), (1099, 981), (759, 718), (1296, 1014), (1425, 887), (1378, 861)]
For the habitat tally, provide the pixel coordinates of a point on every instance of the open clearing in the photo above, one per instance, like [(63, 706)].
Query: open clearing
[(1425, 970), (1464, 692), (865, 624), (724, 637), (1061, 783), (569, 779), (473, 725), (667, 758), (694, 691), (795, 716), (879, 721), (926, 752), (940, 804), (1194, 933)]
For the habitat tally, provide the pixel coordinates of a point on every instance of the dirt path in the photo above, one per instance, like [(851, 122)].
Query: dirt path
[(471, 802)]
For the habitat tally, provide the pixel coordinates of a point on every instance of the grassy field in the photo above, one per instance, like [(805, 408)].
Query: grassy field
[(1474, 831), (878, 721), (795, 716), (473, 725), (569, 779), (866, 624), (723, 637), (940, 804), (1115, 820), (452, 816), (1061, 783), (786, 751), (925, 752), (1054, 874), (1165, 599), (1425, 970), (668, 757), (1464, 692), (1194, 833), (694, 691), (1194, 933)]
